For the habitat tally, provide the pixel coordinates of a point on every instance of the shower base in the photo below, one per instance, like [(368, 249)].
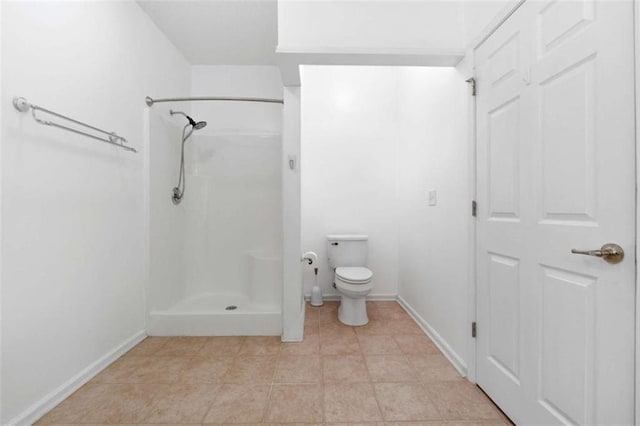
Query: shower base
[(207, 315)]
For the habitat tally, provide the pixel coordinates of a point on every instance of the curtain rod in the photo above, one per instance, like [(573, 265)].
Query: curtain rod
[(150, 101)]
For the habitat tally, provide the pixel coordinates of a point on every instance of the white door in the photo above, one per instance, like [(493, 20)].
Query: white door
[(556, 171)]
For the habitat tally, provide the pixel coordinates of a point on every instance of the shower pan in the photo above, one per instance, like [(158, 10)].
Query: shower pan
[(215, 264)]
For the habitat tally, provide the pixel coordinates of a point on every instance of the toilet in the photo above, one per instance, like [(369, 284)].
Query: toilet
[(348, 257)]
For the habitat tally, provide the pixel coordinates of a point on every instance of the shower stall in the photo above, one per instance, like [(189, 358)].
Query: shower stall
[(215, 264)]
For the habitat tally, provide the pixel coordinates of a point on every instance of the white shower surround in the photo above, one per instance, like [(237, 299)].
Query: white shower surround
[(222, 245)]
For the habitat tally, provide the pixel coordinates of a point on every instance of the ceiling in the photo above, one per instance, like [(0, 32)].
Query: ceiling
[(219, 32)]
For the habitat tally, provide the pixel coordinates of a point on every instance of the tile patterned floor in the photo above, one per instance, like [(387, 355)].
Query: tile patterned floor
[(387, 372)]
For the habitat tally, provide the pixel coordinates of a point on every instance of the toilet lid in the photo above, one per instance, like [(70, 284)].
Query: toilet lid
[(354, 274)]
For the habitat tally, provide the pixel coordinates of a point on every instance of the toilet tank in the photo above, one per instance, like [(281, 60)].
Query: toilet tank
[(347, 250)]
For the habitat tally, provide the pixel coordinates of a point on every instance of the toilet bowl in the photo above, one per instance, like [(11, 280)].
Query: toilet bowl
[(348, 256), (353, 284)]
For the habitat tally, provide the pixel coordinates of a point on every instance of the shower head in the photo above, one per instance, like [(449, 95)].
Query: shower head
[(196, 125), (199, 125)]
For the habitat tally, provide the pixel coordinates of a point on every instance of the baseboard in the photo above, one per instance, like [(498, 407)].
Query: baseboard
[(55, 397), (439, 341), (373, 297)]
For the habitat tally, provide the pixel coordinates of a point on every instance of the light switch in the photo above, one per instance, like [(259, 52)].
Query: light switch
[(433, 197)]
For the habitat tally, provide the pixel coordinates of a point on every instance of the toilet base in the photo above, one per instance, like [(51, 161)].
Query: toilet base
[(353, 311)]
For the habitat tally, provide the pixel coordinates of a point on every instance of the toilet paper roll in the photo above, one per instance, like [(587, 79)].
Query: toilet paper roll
[(310, 257)]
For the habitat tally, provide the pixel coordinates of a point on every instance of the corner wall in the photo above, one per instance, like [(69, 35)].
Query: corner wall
[(349, 134), (73, 214), (434, 240)]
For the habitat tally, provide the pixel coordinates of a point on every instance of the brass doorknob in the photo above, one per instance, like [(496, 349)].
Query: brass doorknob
[(609, 252)]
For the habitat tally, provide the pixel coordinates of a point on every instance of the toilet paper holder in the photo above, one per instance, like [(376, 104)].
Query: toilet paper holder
[(310, 257)]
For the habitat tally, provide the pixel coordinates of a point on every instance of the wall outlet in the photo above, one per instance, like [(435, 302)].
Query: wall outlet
[(433, 197)]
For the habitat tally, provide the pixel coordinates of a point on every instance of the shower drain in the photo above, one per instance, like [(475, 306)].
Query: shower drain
[(231, 308)]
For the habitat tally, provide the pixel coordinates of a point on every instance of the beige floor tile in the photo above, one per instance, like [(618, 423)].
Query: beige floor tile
[(433, 368), (416, 344), (404, 326), (390, 368), (344, 369), (405, 402), (350, 402), (236, 403), (339, 345), (311, 315), (123, 403), (121, 370), (336, 329), (251, 369), (386, 314), (299, 369), (221, 346), (72, 409), (261, 345), (358, 424), (183, 403), (182, 346), (478, 423), (149, 346), (294, 424), (295, 403), (461, 400), (331, 305), (387, 304), (205, 370), (378, 345), (425, 423), (309, 346), (328, 316), (375, 328), (160, 369), (311, 330)]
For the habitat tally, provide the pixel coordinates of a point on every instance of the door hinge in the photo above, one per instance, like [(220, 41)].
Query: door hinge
[(474, 208), (472, 81), (473, 329)]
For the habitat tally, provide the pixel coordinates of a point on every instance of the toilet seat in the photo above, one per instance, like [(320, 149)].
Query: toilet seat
[(354, 275)]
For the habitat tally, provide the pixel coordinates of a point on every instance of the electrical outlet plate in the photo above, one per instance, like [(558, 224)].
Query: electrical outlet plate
[(433, 197)]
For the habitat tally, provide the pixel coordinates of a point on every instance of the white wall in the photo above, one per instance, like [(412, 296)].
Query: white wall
[(349, 133), (238, 81), (73, 209), (357, 26), (434, 240), (293, 307), (375, 140)]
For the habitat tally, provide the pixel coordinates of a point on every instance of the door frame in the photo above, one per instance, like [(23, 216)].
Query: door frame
[(636, 29), (497, 22), (472, 310)]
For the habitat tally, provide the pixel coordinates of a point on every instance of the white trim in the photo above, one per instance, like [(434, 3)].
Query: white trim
[(55, 397), (367, 50), (1, 109), (636, 26), (381, 297), (456, 360), (146, 221), (290, 58), (472, 249), (496, 23)]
